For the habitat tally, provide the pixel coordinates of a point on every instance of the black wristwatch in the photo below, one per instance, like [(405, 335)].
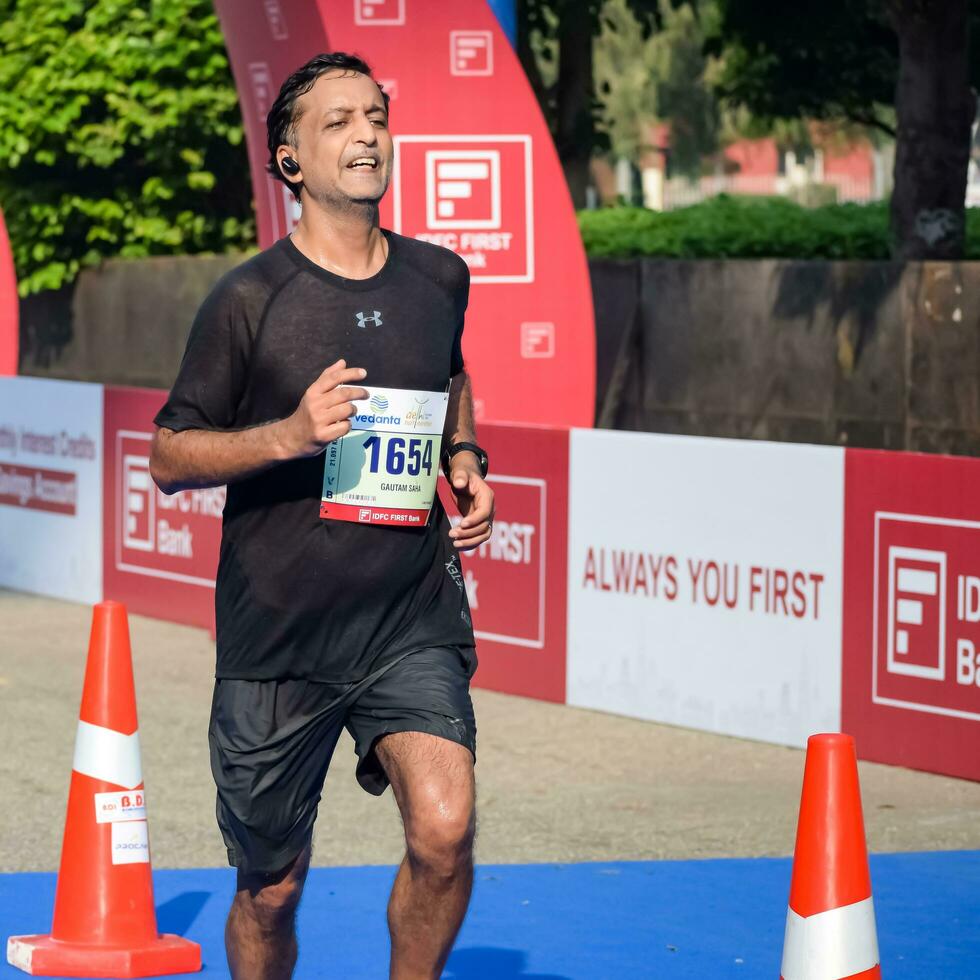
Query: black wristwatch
[(459, 447)]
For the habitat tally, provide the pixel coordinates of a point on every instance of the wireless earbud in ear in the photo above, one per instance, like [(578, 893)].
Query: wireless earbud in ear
[(290, 166)]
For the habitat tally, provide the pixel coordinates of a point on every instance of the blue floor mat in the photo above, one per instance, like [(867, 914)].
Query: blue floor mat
[(616, 921)]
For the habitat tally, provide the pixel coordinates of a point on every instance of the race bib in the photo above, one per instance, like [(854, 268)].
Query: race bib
[(384, 470)]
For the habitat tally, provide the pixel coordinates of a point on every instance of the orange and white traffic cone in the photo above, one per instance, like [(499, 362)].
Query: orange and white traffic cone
[(104, 920), (830, 925)]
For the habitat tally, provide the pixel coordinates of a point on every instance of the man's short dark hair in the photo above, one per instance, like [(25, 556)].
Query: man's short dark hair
[(283, 116)]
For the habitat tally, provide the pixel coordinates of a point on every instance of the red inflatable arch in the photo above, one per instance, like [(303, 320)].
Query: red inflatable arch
[(9, 307), (475, 170)]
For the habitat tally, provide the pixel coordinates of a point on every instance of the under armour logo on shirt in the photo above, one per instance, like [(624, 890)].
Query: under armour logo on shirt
[(363, 320)]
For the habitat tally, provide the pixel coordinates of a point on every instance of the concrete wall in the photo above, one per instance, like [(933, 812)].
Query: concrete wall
[(125, 322), (871, 354)]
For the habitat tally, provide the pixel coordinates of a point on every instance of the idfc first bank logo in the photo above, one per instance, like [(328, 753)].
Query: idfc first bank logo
[(175, 537), (927, 614), (505, 577), (471, 194)]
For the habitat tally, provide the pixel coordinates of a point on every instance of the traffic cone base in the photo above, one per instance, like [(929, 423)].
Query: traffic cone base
[(42, 956)]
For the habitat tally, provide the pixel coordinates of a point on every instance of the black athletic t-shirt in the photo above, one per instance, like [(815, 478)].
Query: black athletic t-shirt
[(297, 595)]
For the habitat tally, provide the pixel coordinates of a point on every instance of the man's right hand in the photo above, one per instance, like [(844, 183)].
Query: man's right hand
[(323, 414), (197, 458)]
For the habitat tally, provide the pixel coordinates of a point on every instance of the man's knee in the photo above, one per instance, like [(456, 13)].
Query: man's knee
[(274, 906), (440, 839), (271, 900)]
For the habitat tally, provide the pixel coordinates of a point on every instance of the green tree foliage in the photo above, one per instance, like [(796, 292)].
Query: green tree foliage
[(624, 79), (120, 134), (847, 59), (831, 60), (662, 76), (560, 33), (684, 98), (636, 63)]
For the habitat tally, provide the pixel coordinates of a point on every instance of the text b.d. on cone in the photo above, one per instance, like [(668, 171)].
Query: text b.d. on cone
[(104, 921), (830, 925)]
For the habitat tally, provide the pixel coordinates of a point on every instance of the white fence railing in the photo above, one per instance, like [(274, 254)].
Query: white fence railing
[(680, 192)]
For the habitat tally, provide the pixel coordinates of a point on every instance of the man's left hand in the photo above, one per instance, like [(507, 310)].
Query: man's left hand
[(475, 501)]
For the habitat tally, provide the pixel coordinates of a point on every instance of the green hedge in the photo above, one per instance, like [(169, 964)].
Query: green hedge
[(727, 227)]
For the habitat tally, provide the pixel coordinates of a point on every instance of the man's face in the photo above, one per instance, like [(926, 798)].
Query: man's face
[(344, 146)]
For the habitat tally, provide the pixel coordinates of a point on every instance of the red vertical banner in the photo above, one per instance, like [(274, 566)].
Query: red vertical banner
[(267, 40), (517, 582), (911, 617), (160, 552), (9, 306), (475, 171)]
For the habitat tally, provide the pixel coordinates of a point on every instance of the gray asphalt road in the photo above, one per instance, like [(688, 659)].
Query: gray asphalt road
[(555, 783)]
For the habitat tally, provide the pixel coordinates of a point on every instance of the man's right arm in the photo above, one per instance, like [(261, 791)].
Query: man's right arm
[(195, 458)]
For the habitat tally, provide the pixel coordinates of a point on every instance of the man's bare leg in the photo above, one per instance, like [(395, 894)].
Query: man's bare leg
[(432, 779), (260, 935)]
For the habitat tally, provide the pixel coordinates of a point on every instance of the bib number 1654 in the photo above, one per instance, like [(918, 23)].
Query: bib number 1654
[(409, 456)]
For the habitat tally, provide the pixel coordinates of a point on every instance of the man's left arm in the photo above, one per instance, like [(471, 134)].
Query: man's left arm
[(473, 497)]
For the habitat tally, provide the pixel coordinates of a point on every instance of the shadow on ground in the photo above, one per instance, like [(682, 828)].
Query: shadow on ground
[(177, 915)]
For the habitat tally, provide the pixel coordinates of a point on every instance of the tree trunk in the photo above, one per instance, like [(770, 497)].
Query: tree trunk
[(525, 54), (935, 108), (574, 126)]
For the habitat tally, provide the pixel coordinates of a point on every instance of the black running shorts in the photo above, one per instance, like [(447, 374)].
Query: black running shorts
[(271, 743)]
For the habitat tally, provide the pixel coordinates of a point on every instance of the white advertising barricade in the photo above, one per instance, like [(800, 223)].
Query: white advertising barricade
[(705, 582), (51, 488), (754, 589)]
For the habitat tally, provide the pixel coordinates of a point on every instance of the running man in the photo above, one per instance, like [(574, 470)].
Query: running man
[(325, 623)]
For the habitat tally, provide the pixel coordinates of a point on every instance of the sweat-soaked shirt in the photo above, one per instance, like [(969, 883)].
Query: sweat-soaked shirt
[(297, 595)]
